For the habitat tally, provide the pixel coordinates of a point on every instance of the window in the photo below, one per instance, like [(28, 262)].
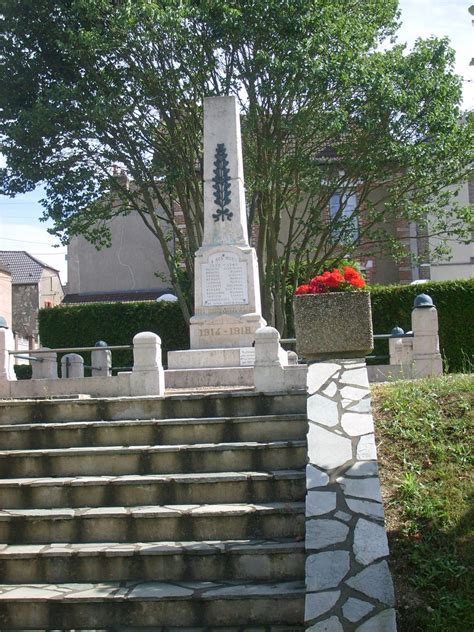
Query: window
[(346, 228)]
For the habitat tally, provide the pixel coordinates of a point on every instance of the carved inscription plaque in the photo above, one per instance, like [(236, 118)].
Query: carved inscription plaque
[(224, 280)]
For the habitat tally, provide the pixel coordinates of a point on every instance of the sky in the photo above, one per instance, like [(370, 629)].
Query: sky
[(20, 226)]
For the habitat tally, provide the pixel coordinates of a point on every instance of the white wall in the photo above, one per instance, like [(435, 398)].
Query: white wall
[(129, 264), (461, 264)]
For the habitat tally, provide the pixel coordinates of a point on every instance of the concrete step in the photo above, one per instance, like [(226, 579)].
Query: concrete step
[(153, 523), (199, 405), (186, 604), (151, 432), (127, 491), (248, 560), (118, 461)]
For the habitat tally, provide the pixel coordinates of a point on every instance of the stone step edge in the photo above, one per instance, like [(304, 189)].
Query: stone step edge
[(137, 449), (120, 549), (72, 425), (150, 479), (154, 511), (149, 591)]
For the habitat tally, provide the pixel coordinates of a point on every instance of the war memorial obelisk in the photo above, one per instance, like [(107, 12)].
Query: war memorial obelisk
[(226, 283)]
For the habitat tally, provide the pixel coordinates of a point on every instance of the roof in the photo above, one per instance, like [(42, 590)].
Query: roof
[(24, 267), (114, 297)]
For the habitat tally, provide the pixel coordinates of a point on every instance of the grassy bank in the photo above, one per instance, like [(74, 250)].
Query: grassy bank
[(424, 437)]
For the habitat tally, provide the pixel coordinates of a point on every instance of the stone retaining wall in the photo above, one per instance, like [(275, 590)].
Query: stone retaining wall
[(348, 581)]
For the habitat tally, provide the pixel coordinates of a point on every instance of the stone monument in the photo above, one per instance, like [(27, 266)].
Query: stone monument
[(227, 291)]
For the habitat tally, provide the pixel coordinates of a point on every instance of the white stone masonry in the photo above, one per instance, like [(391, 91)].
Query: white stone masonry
[(348, 581)]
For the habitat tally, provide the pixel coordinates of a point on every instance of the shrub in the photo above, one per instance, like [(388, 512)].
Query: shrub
[(116, 323), (22, 371)]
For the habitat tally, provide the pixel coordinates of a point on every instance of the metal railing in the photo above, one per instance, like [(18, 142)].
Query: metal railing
[(74, 349)]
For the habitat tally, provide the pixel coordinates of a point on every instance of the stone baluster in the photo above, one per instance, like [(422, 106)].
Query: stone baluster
[(101, 360), (424, 320), (45, 366), (72, 365), (147, 377)]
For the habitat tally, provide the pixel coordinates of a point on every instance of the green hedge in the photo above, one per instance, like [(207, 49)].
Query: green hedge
[(454, 300), (23, 371), (116, 323)]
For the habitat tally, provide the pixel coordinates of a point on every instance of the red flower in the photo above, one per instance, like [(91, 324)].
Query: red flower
[(353, 277), (332, 279), (303, 289), (318, 287)]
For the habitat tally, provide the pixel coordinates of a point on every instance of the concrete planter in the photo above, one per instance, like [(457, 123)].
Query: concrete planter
[(333, 325)]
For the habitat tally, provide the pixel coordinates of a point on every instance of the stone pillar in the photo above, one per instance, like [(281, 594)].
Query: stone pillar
[(101, 360), (7, 361), (273, 372), (46, 367), (348, 581), (426, 356), (395, 346), (72, 365), (147, 377)]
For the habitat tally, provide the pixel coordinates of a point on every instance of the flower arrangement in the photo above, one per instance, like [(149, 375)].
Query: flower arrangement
[(344, 279)]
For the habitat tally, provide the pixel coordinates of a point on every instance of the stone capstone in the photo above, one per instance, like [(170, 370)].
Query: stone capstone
[(319, 374), (361, 487), (354, 609), (375, 581), (326, 570), (356, 424), (366, 450), (326, 449), (365, 507), (356, 377), (317, 604), (323, 533), (370, 541), (363, 468), (319, 503), (315, 477), (329, 625), (385, 621), (322, 410)]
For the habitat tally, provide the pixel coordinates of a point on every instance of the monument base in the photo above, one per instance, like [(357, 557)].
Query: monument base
[(224, 331), (211, 358), (210, 378)]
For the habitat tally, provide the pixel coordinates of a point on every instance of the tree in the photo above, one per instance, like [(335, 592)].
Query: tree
[(330, 104)]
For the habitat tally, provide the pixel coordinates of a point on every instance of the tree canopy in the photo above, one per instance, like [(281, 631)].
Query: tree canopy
[(330, 104)]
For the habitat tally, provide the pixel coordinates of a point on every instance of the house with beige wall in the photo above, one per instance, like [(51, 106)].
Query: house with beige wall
[(6, 294), (133, 268), (34, 285)]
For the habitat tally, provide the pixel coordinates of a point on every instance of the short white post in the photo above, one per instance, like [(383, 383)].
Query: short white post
[(45, 367), (101, 360), (395, 346), (72, 365), (424, 320), (272, 372), (148, 377), (7, 361)]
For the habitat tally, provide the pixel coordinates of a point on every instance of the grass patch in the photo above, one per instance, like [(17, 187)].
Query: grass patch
[(424, 436)]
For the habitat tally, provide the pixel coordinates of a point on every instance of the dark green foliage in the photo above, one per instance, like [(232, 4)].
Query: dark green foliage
[(115, 323), (22, 371), (454, 300)]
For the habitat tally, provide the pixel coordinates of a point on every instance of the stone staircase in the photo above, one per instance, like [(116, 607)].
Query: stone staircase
[(183, 513)]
